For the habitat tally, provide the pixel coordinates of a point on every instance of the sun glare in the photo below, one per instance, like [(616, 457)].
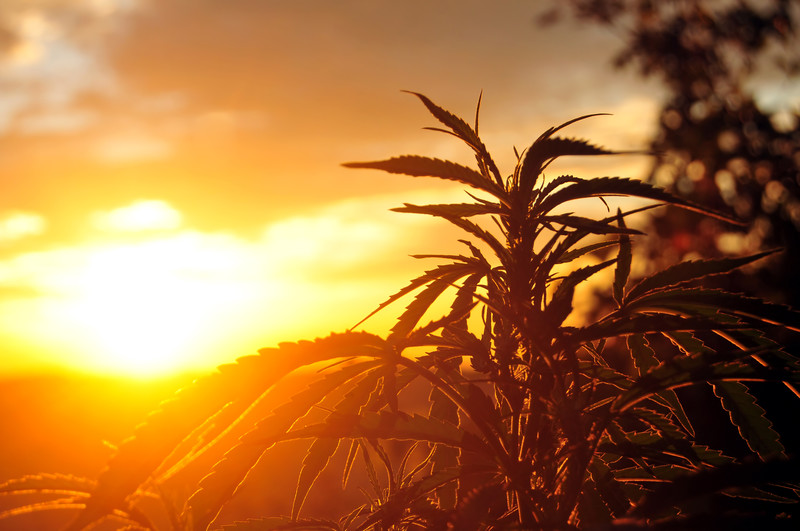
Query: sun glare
[(141, 315), (145, 295), (146, 215), (145, 308)]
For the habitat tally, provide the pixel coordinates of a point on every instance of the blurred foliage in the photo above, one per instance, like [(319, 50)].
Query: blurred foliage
[(718, 143)]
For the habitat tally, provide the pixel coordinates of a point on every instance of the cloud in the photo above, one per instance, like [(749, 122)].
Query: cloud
[(143, 215), (17, 225), (247, 107), (133, 146), (299, 62), (51, 55), (55, 121)]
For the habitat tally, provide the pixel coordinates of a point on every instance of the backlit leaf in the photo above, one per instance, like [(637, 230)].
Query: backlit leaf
[(624, 258), (462, 130), (322, 449), (448, 271), (423, 301), (561, 304), (698, 368), (221, 483), (574, 254), (711, 480), (646, 323), (643, 356), (619, 186), (485, 236), (549, 188), (691, 270), (314, 462), (387, 425), (749, 419), (610, 490), (417, 166), (240, 383), (589, 225), (47, 484), (546, 148), (735, 304), (460, 210)]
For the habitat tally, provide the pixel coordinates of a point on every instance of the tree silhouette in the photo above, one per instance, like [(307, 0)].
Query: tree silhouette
[(716, 144)]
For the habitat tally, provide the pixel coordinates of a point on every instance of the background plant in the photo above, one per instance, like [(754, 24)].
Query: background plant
[(533, 419)]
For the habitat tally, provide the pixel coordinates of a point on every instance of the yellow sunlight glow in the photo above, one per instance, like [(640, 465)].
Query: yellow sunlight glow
[(19, 225), (140, 216), (144, 295), (144, 314)]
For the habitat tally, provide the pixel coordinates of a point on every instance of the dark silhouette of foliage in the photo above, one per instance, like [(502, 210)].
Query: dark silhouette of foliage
[(716, 146), (532, 421)]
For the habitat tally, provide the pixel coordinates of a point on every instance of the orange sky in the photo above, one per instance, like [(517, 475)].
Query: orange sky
[(172, 195)]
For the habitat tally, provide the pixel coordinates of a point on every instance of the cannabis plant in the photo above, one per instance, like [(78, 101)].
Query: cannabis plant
[(531, 418)]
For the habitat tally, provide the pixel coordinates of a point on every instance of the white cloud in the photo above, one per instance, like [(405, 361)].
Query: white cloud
[(16, 225), (143, 215)]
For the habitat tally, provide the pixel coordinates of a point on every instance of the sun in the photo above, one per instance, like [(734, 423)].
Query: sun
[(140, 295), (152, 307)]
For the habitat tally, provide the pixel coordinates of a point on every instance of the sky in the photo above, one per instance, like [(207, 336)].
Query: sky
[(173, 195)]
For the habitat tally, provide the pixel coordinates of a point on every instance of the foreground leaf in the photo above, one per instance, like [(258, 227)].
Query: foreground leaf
[(691, 270), (221, 484), (416, 166), (748, 417)]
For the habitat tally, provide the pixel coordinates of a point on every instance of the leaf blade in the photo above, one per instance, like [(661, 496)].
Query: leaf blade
[(691, 270), (624, 259), (418, 166), (750, 420)]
